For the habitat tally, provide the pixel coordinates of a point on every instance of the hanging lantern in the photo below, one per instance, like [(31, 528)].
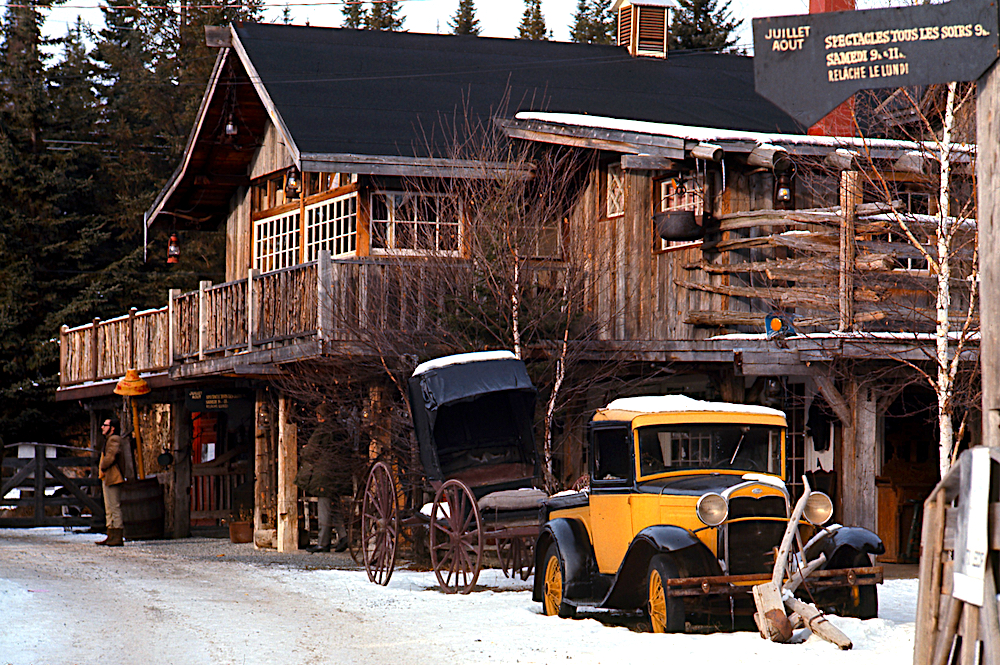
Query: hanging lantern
[(173, 249), (230, 126), (292, 184)]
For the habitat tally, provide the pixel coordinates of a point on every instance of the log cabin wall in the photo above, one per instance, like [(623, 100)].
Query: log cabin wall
[(633, 286)]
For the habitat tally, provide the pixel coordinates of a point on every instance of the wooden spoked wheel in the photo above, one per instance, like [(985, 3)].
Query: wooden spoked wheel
[(517, 556), (379, 524), (456, 538)]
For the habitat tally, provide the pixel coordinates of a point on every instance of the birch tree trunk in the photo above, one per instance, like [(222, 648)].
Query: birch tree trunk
[(945, 373)]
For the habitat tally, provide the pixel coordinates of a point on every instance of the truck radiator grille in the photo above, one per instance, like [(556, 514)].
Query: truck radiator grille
[(752, 545)]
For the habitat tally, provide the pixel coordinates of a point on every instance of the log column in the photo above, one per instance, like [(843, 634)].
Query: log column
[(288, 464), (265, 458), (988, 196)]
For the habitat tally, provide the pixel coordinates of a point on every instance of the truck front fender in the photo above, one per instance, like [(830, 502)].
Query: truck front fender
[(690, 558), (843, 546), (577, 553)]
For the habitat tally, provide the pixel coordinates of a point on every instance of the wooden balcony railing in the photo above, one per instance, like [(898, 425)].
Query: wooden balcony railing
[(103, 350)]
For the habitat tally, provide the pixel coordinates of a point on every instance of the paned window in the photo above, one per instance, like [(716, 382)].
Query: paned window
[(332, 225), (408, 222), (616, 190), (276, 242)]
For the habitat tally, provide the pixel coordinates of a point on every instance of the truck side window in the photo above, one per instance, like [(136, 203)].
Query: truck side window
[(612, 453)]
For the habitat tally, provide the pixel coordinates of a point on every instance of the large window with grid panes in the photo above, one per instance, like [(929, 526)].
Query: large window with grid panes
[(414, 223), (295, 219)]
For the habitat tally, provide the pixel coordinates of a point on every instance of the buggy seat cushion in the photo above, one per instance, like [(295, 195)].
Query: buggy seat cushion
[(527, 498)]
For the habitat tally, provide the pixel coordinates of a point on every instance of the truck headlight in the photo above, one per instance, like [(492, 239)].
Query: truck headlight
[(819, 509), (712, 509)]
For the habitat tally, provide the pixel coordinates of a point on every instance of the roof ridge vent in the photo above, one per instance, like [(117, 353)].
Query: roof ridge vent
[(643, 26)]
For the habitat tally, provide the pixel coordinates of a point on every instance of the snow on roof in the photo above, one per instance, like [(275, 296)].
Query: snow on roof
[(668, 403), (853, 335), (710, 134), (461, 359)]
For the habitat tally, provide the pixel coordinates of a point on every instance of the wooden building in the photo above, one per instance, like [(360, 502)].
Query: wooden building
[(313, 145)]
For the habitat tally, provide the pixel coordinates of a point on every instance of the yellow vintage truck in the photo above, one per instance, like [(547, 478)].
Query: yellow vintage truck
[(684, 514)]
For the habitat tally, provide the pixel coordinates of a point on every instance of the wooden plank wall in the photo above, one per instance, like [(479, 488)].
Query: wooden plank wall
[(272, 156)]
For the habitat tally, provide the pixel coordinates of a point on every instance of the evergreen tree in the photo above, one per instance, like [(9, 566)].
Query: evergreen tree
[(703, 25), (286, 15), (593, 23), (464, 22), (384, 15), (532, 22), (355, 15)]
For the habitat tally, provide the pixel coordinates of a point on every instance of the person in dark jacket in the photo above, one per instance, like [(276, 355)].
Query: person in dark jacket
[(112, 478), (319, 476)]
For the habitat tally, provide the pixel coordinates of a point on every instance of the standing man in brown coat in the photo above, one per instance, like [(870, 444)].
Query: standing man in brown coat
[(112, 478)]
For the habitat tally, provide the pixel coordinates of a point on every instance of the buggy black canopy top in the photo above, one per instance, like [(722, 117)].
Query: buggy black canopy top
[(473, 414)]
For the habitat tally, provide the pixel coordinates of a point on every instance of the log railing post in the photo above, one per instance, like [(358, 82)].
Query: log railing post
[(251, 303), (65, 376), (172, 325), (202, 316), (131, 338), (324, 302), (94, 364)]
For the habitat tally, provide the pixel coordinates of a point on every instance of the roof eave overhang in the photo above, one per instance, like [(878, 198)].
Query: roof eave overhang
[(391, 165), (158, 209)]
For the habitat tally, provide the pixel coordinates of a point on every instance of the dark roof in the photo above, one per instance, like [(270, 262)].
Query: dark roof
[(389, 93)]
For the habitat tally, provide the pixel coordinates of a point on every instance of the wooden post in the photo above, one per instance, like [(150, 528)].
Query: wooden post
[(202, 317), (324, 300), (251, 274), (94, 349), (64, 373), (131, 338), (288, 463), (988, 195), (181, 470), (862, 496), (171, 325), (850, 196)]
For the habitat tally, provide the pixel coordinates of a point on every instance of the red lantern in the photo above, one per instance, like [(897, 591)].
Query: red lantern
[(173, 249)]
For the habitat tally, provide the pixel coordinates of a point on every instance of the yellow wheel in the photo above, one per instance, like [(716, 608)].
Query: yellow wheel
[(665, 614), (553, 602)]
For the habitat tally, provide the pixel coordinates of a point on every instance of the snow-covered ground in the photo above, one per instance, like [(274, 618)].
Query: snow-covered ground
[(203, 601)]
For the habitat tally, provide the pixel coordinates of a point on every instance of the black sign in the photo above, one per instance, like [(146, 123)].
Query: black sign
[(808, 64), (212, 400)]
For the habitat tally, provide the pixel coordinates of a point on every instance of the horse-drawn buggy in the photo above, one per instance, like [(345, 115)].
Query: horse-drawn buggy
[(473, 416)]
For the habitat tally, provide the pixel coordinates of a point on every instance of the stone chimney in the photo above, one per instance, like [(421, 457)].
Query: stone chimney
[(839, 121), (643, 26)]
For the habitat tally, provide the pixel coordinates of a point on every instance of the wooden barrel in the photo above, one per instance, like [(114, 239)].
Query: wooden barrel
[(142, 509)]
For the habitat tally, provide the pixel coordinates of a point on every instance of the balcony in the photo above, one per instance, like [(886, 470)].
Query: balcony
[(282, 315)]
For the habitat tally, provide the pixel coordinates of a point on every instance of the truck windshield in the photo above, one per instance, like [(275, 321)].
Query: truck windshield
[(709, 446)]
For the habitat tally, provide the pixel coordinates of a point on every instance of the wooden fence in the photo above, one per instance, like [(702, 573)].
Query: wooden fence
[(72, 502)]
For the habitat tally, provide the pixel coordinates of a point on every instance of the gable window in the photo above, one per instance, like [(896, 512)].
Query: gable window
[(332, 225), (616, 190), (276, 241), (410, 222)]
